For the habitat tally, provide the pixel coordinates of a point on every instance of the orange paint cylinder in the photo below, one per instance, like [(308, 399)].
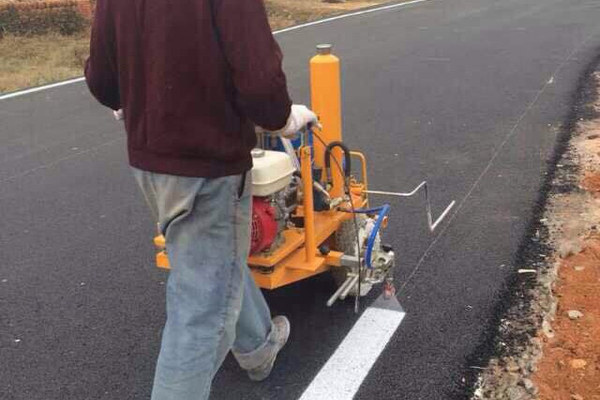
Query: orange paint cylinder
[(326, 103)]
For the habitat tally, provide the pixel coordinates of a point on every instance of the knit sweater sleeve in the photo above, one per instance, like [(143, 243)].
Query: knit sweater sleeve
[(255, 60), (101, 72)]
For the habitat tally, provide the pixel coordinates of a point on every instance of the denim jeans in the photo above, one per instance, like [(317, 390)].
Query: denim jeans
[(213, 304)]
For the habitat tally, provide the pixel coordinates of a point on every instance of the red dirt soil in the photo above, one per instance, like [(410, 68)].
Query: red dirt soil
[(570, 367), (591, 183)]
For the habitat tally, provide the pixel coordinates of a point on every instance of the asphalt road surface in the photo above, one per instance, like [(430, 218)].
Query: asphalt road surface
[(467, 94)]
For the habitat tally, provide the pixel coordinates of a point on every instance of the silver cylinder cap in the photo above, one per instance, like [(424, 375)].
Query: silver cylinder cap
[(324, 48), (257, 153)]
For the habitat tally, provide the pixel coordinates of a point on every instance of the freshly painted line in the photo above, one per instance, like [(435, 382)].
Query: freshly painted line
[(353, 14), (291, 28), (40, 88), (341, 377)]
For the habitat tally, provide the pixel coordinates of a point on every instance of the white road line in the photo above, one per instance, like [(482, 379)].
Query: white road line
[(342, 375), (292, 28), (40, 88), (353, 14)]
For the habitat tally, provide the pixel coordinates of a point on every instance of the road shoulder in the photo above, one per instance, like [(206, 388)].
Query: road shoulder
[(548, 340)]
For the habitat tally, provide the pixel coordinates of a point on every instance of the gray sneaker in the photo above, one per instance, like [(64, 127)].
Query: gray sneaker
[(278, 338)]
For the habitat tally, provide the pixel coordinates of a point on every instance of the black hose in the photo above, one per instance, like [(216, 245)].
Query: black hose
[(347, 159), (347, 190)]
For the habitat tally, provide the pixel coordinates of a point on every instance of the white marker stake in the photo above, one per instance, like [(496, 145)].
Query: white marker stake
[(342, 375)]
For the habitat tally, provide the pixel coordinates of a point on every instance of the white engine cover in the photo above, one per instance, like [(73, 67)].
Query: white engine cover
[(272, 171)]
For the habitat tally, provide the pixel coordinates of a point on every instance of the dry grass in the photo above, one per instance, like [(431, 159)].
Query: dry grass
[(32, 61)]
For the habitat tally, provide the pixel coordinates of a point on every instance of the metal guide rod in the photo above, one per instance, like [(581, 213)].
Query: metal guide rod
[(348, 288), (432, 225), (339, 291)]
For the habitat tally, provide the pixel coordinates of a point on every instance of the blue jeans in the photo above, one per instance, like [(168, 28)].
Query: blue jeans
[(213, 304)]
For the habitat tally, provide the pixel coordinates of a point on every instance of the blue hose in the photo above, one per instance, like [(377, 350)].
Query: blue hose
[(383, 211), (368, 210)]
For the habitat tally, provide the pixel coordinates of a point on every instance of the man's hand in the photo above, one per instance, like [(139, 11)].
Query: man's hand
[(299, 118), (118, 114)]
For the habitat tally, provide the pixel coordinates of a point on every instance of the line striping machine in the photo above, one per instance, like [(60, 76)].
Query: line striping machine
[(311, 212)]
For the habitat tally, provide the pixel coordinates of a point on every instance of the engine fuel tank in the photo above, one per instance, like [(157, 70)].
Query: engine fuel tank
[(272, 172)]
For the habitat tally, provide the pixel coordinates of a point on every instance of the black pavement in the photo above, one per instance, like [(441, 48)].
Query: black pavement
[(467, 94)]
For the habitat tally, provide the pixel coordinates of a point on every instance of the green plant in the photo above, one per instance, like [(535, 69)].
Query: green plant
[(30, 21), (9, 19), (67, 21)]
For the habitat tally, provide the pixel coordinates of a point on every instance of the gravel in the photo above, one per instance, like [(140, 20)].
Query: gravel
[(574, 314)]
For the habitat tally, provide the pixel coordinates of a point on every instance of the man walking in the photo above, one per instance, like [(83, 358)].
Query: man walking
[(193, 78)]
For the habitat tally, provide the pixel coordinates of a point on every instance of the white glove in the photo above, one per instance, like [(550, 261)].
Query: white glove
[(118, 114), (299, 118)]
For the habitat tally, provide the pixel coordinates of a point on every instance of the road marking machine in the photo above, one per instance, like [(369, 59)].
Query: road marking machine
[(311, 213)]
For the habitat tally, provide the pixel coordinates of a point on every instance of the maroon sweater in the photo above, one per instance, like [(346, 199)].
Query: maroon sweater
[(192, 77)]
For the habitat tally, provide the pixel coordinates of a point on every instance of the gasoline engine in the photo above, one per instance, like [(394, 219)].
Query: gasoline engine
[(275, 191)]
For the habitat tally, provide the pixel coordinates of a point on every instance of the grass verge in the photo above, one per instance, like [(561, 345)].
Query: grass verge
[(33, 61), (39, 60)]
